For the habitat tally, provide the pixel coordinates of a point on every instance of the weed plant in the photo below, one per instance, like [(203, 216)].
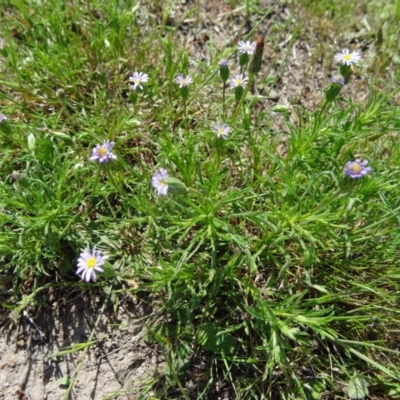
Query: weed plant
[(272, 273)]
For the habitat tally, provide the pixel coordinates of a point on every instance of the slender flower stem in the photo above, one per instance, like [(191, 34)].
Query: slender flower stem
[(96, 181), (240, 104), (119, 188), (218, 148), (223, 99)]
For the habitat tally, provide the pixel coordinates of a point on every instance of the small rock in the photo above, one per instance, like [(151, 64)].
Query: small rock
[(273, 94), (8, 360)]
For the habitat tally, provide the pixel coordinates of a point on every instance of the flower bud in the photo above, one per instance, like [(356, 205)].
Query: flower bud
[(184, 92), (175, 186), (223, 70), (244, 59), (256, 62), (346, 71), (238, 93), (333, 91), (280, 108)]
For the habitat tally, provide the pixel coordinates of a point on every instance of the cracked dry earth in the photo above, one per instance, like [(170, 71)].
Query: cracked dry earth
[(121, 360)]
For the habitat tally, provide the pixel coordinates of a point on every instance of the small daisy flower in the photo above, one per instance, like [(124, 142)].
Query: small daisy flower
[(3, 117), (159, 181), (347, 58), (222, 130), (137, 79), (102, 153), (339, 80), (183, 80), (238, 80), (89, 263), (223, 63), (16, 175), (247, 47), (2, 43), (357, 169)]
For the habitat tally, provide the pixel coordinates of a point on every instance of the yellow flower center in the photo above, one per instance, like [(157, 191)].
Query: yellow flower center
[(102, 151), (91, 262), (356, 168), (163, 182), (347, 57)]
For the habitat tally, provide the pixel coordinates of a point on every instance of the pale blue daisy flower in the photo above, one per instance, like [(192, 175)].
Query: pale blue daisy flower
[(247, 47), (102, 153), (238, 80), (138, 78), (339, 80), (222, 130), (89, 263), (160, 181), (357, 169), (183, 80), (347, 58)]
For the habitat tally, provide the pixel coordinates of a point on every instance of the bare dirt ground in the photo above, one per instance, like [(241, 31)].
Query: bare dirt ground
[(121, 359)]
